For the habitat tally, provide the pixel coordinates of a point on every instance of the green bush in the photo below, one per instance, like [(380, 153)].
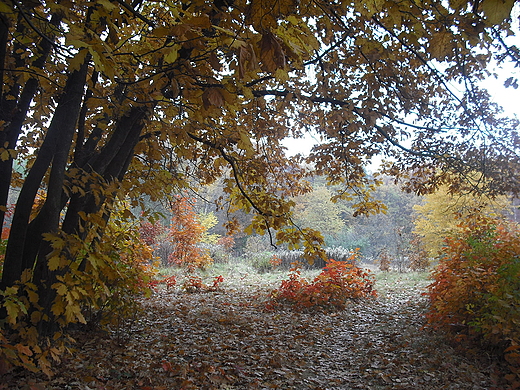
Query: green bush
[(262, 262)]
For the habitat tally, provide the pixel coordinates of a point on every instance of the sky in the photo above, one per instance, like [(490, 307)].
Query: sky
[(508, 98)]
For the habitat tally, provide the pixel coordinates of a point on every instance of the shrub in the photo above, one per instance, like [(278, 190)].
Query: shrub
[(97, 282), (338, 253), (186, 232), (419, 258), (194, 284), (384, 260), (339, 282), (264, 261), (476, 289)]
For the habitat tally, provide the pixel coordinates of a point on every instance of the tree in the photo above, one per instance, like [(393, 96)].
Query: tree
[(316, 210), (440, 215), (186, 231), (388, 231), (126, 100)]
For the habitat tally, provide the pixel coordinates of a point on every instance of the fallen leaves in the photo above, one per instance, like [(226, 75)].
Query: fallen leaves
[(225, 339)]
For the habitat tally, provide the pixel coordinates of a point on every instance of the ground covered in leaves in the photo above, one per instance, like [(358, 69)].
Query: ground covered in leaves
[(227, 340)]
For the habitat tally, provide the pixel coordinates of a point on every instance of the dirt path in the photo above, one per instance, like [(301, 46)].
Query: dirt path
[(226, 340)]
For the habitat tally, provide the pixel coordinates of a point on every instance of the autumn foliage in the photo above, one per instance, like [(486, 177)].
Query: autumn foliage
[(108, 100), (337, 284), (475, 295), (98, 289), (186, 232)]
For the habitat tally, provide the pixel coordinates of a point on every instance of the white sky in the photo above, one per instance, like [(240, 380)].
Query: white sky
[(508, 98)]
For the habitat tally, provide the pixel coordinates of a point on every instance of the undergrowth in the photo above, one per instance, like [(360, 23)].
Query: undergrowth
[(475, 294)]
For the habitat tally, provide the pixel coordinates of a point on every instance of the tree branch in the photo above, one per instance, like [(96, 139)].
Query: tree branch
[(130, 9), (31, 24), (236, 174)]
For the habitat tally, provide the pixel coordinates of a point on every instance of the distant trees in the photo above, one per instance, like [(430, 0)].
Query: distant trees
[(441, 213), (317, 210)]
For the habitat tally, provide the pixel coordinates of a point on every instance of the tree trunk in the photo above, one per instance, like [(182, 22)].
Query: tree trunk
[(14, 111), (24, 242), (111, 164)]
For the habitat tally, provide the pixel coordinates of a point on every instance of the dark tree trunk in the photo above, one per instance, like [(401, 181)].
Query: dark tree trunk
[(5, 169), (24, 241), (14, 111), (110, 163)]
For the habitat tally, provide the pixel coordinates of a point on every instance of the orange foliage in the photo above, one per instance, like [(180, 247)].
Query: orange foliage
[(149, 232), (227, 242), (338, 283), (170, 282), (194, 284), (186, 232), (475, 294), (275, 261)]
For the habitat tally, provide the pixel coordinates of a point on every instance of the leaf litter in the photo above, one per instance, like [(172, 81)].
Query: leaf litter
[(227, 339)]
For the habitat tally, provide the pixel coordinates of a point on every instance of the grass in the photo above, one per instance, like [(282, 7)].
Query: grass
[(239, 273)]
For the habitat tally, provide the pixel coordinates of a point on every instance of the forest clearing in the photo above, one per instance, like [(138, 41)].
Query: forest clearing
[(226, 339), (145, 135)]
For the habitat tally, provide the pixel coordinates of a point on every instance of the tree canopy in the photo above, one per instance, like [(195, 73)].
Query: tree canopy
[(441, 215), (105, 100)]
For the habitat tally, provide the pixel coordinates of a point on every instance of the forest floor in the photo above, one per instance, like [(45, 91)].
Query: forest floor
[(226, 339)]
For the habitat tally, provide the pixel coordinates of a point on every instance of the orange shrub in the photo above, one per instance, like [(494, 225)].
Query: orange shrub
[(194, 284), (475, 294), (338, 283), (186, 232)]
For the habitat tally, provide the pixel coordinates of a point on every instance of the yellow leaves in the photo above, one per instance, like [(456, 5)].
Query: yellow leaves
[(78, 60), (370, 48), (7, 154), (102, 62), (172, 53), (127, 214), (4, 155), (54, 263), (245, 143), (107, 4), (161, 31), (290, 236), (458, 4), (56, 241), (298, 41), (24, 349), (370, 7), (68, 299), (263, 14), (58, 307), (436, 218), (5, 8), (14, 304), (61, 288), (496, 11)]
